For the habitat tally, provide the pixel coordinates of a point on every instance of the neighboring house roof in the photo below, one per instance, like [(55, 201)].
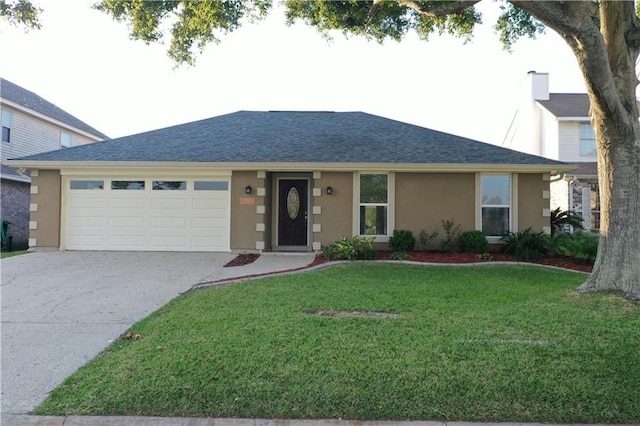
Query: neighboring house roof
[(585, 169), (10, 173), (27, 99), (295, 137), (567, 105)]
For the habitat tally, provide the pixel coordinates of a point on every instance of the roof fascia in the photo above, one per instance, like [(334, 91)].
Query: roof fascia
[(202, 167), (44, 117), (15, 178)]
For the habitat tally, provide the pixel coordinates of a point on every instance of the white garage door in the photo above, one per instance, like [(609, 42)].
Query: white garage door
[(147, 214)]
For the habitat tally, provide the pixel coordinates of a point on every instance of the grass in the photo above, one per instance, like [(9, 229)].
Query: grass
[(483, 343), (6, 254)]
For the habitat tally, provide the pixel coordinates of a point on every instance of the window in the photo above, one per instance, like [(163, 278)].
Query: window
[(87, 184), (164, 185), (65, 140), (587, 140), (127, 184), (374, 204), (210, 186), (6, 125), (495, 204)]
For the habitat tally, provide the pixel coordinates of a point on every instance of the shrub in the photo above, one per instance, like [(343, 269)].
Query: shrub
[(452, 234), (402, 240), (425, 239), (399, 255), (327, 252), (368, 253), (560, 218), (473, 242), (527, 246), (581, 245), (352, 248)]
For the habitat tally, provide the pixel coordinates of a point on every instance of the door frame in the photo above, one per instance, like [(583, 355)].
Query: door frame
[(275, 204)]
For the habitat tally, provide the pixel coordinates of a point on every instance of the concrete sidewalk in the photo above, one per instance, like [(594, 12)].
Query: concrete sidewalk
[(60, 309)]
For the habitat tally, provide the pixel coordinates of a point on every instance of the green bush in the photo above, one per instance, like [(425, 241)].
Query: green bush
[(402, 240), (581, 245), (473, 242), (353, 248), (527, 246), (451, 236), (399, 255)]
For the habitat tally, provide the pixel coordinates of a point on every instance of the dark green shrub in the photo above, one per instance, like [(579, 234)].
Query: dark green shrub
[(581, 245), (527, 246), (399, 255), (352, 248), (473, 242), (451, 236), (402, 240), (368, 253)]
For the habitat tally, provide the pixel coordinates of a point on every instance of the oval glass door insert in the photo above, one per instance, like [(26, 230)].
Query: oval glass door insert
[(293, 203)]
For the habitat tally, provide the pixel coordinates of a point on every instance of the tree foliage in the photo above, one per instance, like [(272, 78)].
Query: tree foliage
[(20, 13)]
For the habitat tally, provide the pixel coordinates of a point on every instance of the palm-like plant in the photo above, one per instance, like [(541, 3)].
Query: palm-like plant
[(559, 218)]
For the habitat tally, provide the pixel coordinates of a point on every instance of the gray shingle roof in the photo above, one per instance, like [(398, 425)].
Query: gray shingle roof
[(295, 137), (28, 99), (567, 104)]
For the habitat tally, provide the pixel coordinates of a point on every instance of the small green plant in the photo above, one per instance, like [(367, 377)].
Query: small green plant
[(368, 253), (452, 234), (560, 218), (328, 252), (473, 242), (527, 245), (399, 255), (426, 239), (352, 248), (581, 245), (484, 256), (402, 240)]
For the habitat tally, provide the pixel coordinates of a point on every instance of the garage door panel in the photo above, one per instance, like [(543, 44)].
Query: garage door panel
[(132, 202), (126, 222), (184, 220), (169, 222), (159, 203)]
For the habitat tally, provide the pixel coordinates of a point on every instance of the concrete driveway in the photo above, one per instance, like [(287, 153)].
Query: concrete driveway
[(60, 309)]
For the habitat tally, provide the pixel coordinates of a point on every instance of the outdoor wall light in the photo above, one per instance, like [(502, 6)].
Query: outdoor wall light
[(329, 190), (248, 189)]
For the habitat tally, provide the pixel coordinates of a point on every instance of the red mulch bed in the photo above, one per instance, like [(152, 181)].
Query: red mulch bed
[(242, 259), (442, 257)]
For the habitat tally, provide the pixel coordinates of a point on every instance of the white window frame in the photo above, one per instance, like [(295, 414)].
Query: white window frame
[(65, 139), (513, 213), (7, 119), (391, 185), (584, 141)]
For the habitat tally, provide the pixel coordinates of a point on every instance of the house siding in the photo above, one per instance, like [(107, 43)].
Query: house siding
[(424, 200), (533, 203), (247, 210), (569, 134), (15, 209), (31, 135), (46, 199), (334, 213), (549, 136)]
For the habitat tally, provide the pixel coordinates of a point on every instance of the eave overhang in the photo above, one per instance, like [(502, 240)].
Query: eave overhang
[(106, 166)]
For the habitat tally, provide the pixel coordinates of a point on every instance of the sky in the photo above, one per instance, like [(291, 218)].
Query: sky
[(85, 63)]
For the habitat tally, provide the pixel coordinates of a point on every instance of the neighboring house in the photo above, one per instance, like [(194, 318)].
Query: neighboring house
[(557, 126), (31, 124), (283, 181)]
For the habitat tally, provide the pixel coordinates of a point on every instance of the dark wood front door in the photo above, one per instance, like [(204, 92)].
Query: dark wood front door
[(292, 212)]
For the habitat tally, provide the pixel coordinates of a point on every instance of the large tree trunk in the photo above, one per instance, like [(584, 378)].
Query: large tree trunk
[(605, 41)]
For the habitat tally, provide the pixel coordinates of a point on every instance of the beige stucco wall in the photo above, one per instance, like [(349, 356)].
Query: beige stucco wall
[(244, 211), (533, 202), (336, 210), (45, 209), (423, 200)]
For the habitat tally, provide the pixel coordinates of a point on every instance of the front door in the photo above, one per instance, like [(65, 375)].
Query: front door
[(292, 212)]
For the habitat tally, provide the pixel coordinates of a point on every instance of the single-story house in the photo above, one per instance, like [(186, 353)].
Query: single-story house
[(280, 180)]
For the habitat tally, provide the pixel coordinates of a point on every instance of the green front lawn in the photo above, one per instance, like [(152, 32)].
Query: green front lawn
[(376, 341)]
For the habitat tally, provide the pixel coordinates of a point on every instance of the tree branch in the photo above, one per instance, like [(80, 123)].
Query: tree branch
[(436, 10)]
